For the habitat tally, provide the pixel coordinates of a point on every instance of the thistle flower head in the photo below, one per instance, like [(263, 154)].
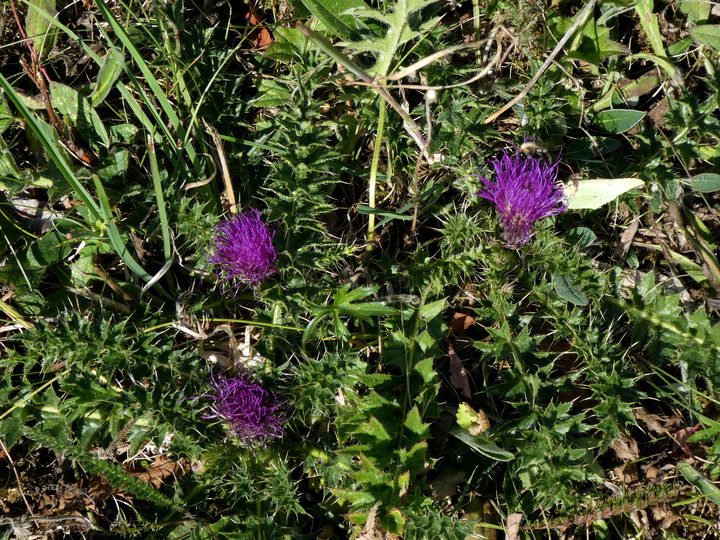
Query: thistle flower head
[(242, 251), (525, 190), (251, 413)]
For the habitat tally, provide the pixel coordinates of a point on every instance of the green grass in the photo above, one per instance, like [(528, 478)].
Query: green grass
[(435, 382)]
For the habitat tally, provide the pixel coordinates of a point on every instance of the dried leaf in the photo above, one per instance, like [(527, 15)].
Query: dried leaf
[(657, 113), (512, 528), (98, 489), (651, 473), (369, 533), (626, 239), (481, 425), (680, 447), (458, 374), (625, 449), (627, 474), (460, 323), (161, 469), (664, 513), (655, 423), (260, 37)]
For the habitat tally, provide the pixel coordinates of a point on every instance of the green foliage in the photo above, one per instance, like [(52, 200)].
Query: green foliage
[(345, 303), (387, 423), (383, 31), (424, 367), (672, 336), (303, 172), (97, 365), (256, 486)]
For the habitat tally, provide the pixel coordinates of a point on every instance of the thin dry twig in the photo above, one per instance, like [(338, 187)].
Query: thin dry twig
[(582, 16), (204, 182), (229, 193), (412, 69), (17, 477)]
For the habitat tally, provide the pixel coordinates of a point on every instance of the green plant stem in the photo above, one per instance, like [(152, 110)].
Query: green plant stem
[(379, 137), (657, 321), (476, 26), (27, 398), (710, 266), (579, 21), (412, 128), (159, 197)]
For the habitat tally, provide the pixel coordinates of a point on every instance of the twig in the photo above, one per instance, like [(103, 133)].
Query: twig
[(487, 69), (330, 49), (204, 182), (577, 24), (411, 69), (229, 193), (429, 98), (33, 73), (17, 477)]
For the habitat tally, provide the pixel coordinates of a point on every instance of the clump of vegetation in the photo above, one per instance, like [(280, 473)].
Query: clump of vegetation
[(405, 269)]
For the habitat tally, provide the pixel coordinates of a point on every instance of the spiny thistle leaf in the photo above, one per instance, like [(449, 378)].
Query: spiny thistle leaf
[(399, 31)]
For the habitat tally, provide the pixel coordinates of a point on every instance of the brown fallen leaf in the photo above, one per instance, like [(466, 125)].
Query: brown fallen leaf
[(369, 532), (627, 474), (626, 449), (626, 239), (98, 489), (651, 472), (657, 113), (458, 375), (681, 448), (665, 514), (660, 425), (160, 470), (260, 37), (460, 323), (481, 425)]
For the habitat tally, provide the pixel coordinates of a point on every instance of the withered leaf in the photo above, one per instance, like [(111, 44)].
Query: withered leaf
[(460, 323), (458, 374), (625, 449), (160, 470)]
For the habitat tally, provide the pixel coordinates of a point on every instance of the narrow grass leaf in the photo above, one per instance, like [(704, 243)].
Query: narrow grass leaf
[(705, 486), (114, 234), (157, 90), (364, 209), (159, 197)]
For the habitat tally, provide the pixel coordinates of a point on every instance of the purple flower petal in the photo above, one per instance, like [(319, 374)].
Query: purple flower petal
[(242, 251), (251, 413), (525, 190)]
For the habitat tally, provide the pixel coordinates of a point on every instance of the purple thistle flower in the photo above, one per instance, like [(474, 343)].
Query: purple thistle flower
[(242, 251), (252, 413), (525, 190)]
